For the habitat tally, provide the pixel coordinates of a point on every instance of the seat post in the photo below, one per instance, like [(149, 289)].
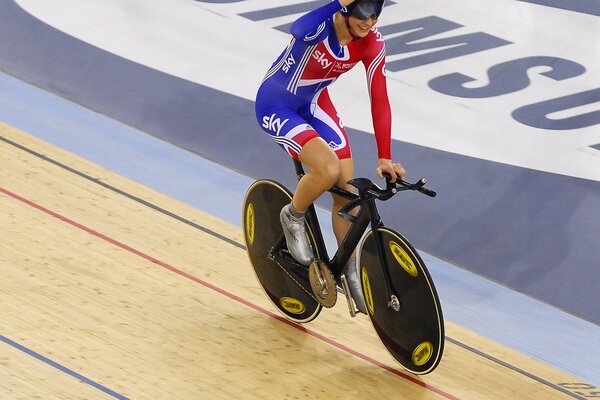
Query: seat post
[(299, 168)]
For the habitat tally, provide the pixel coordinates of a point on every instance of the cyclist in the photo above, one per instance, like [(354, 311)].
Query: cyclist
[(293, 106)]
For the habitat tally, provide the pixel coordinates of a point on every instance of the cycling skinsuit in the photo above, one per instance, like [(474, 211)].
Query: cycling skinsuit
[(293, 105)]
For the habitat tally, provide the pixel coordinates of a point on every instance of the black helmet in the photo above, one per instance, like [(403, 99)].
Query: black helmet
[(363, 9)]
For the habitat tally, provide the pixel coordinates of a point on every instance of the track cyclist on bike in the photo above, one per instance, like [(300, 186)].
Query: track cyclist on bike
[(293, 106)]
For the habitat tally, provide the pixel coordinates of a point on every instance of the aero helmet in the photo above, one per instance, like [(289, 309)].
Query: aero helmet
[(363, 9)]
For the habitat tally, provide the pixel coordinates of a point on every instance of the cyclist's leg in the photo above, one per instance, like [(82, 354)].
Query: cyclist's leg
[(326, 121), (323, 170), (328, 124), (289, 125), (340, 227), (322, 167), (320, 154), (291, 131)]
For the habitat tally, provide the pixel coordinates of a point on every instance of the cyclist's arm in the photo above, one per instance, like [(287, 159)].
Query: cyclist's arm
[(374, 61), (311, 26)]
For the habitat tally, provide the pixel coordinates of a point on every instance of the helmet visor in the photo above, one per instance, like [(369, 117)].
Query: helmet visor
[(366, 9)]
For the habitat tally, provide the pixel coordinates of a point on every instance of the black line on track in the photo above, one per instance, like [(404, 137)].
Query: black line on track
[(513, 368), (241, 246), (123, 193)]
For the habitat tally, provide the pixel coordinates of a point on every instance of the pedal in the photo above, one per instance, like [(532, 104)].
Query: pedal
[(346, 290)]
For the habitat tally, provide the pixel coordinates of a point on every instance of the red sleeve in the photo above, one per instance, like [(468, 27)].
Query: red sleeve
[(374, 61)]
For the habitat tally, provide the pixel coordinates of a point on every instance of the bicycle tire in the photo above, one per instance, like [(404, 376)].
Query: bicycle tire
[(287, 288), (414, 335)]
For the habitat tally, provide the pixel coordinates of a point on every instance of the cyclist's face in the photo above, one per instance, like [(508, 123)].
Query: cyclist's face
[(360, 27)]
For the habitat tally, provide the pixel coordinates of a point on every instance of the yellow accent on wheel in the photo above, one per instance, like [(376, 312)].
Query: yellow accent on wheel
[(422, 353), (292, 305), (367, 291), (250, 223), (403, 259)]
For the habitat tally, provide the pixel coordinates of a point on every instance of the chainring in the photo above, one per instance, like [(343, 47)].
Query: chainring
[(322, 283)]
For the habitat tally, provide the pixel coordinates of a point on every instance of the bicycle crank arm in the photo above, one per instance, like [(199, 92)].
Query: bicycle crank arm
[(351, 309)]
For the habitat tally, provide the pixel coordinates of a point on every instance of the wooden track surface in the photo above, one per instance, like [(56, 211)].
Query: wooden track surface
[(112, 290)]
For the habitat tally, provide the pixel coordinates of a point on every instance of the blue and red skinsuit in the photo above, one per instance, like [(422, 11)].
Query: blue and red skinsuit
[(293, 104)]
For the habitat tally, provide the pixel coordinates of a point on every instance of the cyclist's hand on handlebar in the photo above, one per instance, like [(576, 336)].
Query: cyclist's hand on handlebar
[(395, 170)]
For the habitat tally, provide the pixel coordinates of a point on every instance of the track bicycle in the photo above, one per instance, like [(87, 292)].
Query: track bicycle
[(400, 295)]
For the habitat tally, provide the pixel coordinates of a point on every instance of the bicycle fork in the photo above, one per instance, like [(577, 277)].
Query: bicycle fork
[(376, 223)]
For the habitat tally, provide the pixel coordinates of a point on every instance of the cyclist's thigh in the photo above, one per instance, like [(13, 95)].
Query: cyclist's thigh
[(289, 130), (326, 121), (277, 114)]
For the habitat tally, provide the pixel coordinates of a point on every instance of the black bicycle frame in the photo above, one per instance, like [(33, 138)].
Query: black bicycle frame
[(367, 215)]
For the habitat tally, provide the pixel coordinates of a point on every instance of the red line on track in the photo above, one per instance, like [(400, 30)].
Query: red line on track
[(230, 295)]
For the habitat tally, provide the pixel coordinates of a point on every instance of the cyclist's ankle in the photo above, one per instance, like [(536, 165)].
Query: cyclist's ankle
[(298, 215), (294, 230), (353, 279)]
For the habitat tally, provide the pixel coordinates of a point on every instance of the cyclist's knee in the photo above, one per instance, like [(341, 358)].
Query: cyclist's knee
[(328, 172), (322, 162)]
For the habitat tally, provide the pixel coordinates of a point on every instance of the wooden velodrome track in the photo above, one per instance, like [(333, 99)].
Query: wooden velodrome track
[(112, 290)]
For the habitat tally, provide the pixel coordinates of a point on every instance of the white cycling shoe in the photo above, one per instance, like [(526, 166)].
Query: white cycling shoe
[(295, 236), (352, 277)]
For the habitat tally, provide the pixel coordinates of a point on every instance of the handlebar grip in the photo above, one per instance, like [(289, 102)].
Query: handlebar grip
[(418, 186), (428, 192)]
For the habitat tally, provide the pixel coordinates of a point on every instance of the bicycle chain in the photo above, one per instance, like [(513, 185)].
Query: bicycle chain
[(297, 283)]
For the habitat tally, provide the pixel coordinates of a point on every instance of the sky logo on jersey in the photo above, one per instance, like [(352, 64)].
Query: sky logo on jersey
[(287, 64), (273, 124), (321, 59)]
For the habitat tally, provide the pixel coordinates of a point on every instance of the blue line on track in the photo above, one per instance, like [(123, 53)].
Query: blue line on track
[(61, 368)]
